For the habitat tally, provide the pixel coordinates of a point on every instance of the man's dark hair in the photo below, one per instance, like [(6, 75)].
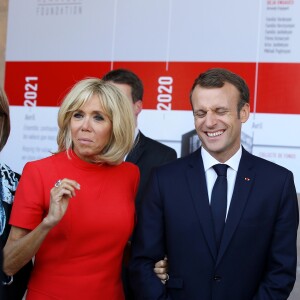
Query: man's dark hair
[(217, 77), (124, 76)]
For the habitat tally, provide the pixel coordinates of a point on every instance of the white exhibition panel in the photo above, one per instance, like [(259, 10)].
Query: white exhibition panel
[(53, 43)]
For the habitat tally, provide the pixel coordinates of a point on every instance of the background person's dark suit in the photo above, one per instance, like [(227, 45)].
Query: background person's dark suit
[(146, 154), (257, 255)]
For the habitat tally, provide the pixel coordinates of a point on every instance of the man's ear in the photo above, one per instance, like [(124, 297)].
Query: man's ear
[(137, 107), (245, 113)]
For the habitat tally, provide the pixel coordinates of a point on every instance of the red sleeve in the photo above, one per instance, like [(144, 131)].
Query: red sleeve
[(29, 204)]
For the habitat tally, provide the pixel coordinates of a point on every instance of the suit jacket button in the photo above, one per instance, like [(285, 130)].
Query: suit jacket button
[(217, 278)]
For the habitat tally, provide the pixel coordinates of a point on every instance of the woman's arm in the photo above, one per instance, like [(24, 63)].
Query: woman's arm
[(22, 244)]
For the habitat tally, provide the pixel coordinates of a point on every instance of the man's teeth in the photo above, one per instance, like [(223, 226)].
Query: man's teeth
[(213, 134)]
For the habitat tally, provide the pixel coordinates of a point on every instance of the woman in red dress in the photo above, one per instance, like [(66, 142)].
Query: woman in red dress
[(74, 211)]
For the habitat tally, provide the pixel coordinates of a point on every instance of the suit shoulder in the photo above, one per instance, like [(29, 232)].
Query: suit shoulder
[(267, 165), (159, 147), (179, 164)]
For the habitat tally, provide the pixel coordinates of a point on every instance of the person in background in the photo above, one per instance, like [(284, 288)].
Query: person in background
[(1, 262), (12, 288), (226, 219), (74, 210), (146, 153)]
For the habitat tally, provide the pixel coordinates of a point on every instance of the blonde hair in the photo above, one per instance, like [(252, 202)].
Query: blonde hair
[(4, 119), (118, 109)]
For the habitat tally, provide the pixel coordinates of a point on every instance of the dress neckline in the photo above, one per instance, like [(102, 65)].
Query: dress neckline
[(82, 164)]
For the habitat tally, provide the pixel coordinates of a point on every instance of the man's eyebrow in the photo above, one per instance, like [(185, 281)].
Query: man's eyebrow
[(222, 108)]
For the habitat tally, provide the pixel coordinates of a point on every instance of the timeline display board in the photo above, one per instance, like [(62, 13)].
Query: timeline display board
[(51, 44)]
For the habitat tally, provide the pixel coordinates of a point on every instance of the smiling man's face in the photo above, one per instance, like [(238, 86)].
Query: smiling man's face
[(217, 120)]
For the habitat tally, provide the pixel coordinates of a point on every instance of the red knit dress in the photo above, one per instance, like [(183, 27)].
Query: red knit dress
[(81, 256)]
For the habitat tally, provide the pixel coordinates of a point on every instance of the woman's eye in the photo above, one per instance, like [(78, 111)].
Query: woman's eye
[(77, 115), (99, 118)]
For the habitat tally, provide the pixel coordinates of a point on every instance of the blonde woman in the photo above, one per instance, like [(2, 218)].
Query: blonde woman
[(74, 211)]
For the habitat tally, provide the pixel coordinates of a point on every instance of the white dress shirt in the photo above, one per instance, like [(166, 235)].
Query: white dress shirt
[(211, 175)]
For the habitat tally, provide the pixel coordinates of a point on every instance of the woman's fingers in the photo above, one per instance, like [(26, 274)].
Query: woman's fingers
[(65, 187)]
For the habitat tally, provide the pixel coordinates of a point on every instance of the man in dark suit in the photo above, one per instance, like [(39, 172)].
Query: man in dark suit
[(252, 255), (146, 152)]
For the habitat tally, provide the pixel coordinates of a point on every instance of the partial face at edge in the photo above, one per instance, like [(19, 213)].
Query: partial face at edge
[(127, 91)]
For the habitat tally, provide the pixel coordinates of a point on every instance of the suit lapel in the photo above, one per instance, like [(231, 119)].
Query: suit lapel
[(137, 149), (197, 184), (244, 181)]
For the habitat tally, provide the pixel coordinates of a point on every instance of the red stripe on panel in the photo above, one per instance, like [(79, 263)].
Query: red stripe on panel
[(46, 83), (278, 88), (170, 89), (167, 87)]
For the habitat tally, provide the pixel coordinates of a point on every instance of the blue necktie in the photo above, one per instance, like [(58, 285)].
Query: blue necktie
[(218, 202)]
